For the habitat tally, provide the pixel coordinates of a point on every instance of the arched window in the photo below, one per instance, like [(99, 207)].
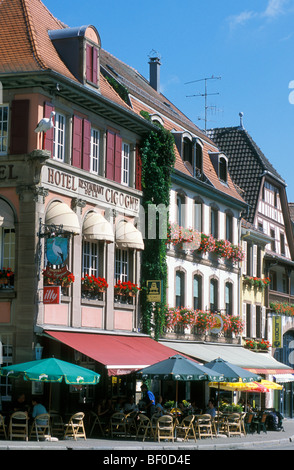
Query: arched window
[(181, 210), (229, 298), (7, 238), (213, 295), (180, 288), (187, 150), (199, 160), (197, 292), (223, 171)]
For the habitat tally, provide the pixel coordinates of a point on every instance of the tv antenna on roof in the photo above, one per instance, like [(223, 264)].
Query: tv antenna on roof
[(205, 94)]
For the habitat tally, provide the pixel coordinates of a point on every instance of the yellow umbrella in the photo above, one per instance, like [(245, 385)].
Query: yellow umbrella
[(240, 386), (271, 385)]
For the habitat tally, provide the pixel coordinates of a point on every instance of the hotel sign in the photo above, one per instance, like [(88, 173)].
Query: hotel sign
[(83, 187), (277, 332)]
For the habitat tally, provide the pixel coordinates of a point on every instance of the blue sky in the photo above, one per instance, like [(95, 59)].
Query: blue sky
[(249, 44)]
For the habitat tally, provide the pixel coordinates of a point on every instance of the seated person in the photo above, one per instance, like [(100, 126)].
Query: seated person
[(158, 406), (20, 403), (211, 409), (38, 409), (130, 405)]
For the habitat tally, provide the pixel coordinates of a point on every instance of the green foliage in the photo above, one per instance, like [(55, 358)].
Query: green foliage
[(158, 159)]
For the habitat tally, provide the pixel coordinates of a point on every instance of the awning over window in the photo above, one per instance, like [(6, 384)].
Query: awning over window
[(284, 378), (120, 354), (96, 227), (128, 236), (259, 363), (60, 214)]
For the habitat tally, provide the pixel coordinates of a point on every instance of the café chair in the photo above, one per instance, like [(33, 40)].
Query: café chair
[(248, 423), (145, 425), (75, 427), (260, 424), (118, 425), (57, 425), (234, 424), (203, 426), (186, 428), (165, 428), (19, 425), (41, 427), (96, 422), (131, 422), (3, 426)]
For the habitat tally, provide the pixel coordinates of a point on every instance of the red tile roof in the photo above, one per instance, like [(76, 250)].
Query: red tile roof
[(25, 45)]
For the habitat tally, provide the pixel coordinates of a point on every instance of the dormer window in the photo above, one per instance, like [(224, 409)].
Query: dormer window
[(79, 49), (190, 149), (223, 170), (220, 164), (92, 64)]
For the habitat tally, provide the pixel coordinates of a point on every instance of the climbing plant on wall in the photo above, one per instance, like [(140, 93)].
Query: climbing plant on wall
[(157, 153)]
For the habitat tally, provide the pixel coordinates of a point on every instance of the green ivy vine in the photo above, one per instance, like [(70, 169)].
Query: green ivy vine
[(158, 158)]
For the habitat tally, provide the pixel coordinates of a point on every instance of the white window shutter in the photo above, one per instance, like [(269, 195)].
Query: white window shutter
[(253, 322), (254, 263)]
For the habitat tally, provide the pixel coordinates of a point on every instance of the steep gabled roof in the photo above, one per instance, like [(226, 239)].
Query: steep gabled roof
[(25, 45), (144, 97), (247, 163)]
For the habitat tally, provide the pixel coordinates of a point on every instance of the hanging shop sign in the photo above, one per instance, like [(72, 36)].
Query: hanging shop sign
[(57, 250), (51, 295), (277, 332), (56, 271), (154, 291), (218, 326)]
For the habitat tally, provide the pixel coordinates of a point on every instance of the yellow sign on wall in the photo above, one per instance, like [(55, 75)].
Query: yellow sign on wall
[(154, 291), (277, 332)]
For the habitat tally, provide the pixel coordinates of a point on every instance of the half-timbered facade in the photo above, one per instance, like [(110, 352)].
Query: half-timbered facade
[(265, 192)]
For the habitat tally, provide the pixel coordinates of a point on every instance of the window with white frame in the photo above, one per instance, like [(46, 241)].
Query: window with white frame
[(59, 137), (3, 129), (213, 295), (90, 258), (95, 141), (7, 240), (180, 289), (121, 265), (125, 164), (229, 298), (197, 292)]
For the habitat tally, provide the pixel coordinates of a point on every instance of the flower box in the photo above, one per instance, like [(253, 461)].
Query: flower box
[(126, 289), (200, 242), (256, 282), (6, 278)]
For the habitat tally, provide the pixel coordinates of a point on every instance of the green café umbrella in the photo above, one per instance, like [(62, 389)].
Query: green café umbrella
[(231, 372), (178, 368), (52, 370)]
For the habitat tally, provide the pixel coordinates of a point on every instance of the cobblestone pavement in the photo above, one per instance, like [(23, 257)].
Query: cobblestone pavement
[(272, 439)]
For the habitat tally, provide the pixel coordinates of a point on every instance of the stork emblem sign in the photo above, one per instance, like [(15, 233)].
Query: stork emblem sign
[(57, 250), (56, 271)]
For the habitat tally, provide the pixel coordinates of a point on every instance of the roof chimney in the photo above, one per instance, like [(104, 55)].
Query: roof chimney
[(154, 70)]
